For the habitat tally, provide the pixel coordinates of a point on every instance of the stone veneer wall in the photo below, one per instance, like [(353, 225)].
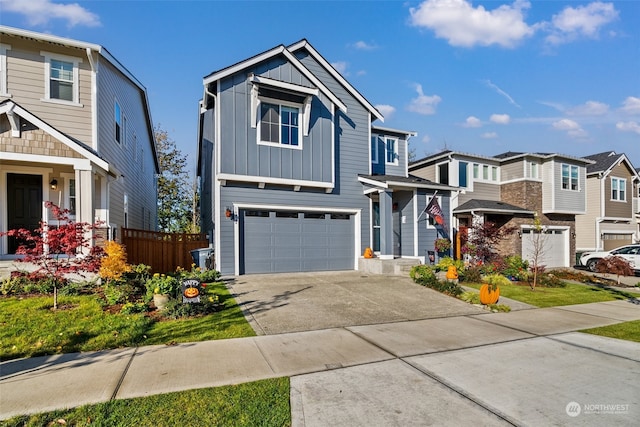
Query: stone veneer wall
[(528, 195)]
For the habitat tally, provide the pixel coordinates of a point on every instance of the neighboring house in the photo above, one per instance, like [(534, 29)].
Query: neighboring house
[(509, 189), (636, 204), (294, 177), (75, 129), (612, 197)]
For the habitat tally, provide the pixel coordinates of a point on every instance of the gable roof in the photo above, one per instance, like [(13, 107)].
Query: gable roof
[(490, 206), (10, 107), (604, 162), (304, 44), (278, 50)]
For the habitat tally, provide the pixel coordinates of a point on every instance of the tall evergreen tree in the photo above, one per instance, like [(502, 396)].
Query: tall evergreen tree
[(176, 194)]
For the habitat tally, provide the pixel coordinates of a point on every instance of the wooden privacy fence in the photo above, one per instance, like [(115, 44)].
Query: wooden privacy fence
[(164, 252)]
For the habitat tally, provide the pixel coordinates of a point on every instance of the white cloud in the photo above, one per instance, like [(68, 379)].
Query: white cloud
[(489, 135), (341, 67), (39, 12), (501, 119), (424, 104), (362, 45), (463, 25), (426, 139), (472, 122), (572, 128), (386, 110), (582, 21), (361, 73), (501, 92), (631, 105), (628, 127), (589, 108)]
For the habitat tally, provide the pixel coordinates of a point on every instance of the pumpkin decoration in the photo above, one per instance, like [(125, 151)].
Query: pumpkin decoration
[(452, 273), (489, 294), (368, 253), (191, 292)]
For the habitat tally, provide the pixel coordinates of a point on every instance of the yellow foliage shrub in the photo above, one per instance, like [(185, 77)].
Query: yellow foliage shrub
[(114, 264)]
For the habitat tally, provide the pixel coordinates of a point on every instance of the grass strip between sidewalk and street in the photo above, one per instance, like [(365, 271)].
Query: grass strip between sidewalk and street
[(259, 403), (629, 331)]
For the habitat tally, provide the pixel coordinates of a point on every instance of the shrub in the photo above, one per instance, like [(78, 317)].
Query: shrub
[(516, 268), (549, 280), (499, 308), (495, 280), (446, 262), (472, 274), (470, 297), (446, 287), (163, 284), (176, 309), (134, 307), (422, 274), (114, 264)]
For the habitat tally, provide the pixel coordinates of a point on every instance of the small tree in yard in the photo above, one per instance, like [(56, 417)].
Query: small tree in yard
[(615, 265), (538, 250), (483, 237), (58, 250)]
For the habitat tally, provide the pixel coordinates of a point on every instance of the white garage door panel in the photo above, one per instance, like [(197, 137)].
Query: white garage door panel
[(555, 250), (281, 243)]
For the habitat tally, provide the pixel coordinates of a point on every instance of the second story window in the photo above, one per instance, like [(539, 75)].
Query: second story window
[(533, 170), (443, 173), (279, 124), (462, 174), (392, 151), (619, 189), (374, 149), (61, 78), (570, 177), (117, 116)]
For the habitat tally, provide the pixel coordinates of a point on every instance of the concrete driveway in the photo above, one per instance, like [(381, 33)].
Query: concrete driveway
[(294, 302)]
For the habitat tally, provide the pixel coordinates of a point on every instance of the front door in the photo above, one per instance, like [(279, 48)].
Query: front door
[(24, 204)]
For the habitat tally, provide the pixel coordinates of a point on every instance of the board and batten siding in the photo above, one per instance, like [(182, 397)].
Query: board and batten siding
[(26, 84), (384, 168), (133, 156), (615, 208), (586, 238), (240, 152)]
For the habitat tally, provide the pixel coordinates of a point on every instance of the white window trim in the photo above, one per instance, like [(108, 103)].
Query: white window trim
[(48, 56), (374, 149), (67, 192), (3, 70), (620, 180), (280, 103), (561, 177), (396, 153)]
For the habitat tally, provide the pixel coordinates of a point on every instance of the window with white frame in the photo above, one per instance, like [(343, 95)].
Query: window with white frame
[(3, 69), (494, 173), (485, 172), (443, 173), (619, 189), (462, 174), (117, 118), (374, 149), (476, 171), (279, 124), (391, 145), (570, 177), (72, 196), (61, 78), (533, 170)]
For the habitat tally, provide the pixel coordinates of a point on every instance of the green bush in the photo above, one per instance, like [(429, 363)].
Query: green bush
[(176, 309), (446, 287), (495, 280), (446, 262), (516, 267), (549, 280), (470, 297), (422, 274), (134, 307), (471, 274)]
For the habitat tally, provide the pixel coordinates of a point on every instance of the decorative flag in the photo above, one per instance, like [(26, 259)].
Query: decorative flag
[(434, 211)]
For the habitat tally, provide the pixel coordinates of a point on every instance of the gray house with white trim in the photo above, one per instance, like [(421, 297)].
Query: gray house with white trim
[(295, 177)]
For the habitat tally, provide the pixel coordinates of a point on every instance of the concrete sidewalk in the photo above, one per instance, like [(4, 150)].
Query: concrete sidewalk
[(523, 367)]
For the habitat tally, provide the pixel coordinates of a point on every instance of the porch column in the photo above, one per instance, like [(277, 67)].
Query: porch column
[(386, 224), (84, 197)]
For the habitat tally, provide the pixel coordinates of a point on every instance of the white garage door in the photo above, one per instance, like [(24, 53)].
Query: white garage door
[(553, 247), (290, 241)]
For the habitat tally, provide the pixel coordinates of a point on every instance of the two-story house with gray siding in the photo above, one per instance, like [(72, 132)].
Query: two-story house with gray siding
[(295, 176), (76, 130), (509, 189), (611, 217)]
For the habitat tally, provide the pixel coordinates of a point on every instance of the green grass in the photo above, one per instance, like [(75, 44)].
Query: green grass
[(261, 403), (551, 297), (629, 331), (29, 327)]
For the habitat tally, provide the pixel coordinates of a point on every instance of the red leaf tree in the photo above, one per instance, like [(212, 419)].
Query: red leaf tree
[(58, 250)]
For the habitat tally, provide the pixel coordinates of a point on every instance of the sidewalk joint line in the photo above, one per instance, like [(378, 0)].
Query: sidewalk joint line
[(124, 373)]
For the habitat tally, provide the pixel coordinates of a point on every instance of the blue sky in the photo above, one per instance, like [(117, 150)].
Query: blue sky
[(481, 77)]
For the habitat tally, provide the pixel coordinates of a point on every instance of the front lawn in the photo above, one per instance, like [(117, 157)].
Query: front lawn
[(550, 297), (29, 327), (260, 403), (629, 331)]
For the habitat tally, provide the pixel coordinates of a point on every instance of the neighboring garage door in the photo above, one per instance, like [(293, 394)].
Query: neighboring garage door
[(554, 251), (612, 240), (289, 241)]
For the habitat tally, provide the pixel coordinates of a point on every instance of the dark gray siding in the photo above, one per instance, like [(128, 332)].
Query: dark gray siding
[(427, 236), (382, 167), (207, 172)]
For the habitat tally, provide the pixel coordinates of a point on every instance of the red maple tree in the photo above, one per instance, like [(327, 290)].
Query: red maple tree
[(58, 250)]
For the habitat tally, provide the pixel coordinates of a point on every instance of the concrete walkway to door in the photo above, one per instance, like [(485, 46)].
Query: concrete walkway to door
[(294, 302)]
